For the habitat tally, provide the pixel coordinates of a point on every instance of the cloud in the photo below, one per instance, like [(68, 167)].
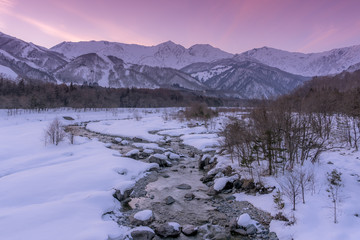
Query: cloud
[(5, 6), (6, 3), (50, 30), (318, 38)]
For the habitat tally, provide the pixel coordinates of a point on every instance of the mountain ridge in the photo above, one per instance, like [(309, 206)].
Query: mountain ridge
[(257, 73), (166, 54)]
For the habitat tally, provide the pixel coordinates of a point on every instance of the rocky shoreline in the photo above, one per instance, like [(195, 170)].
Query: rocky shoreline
[(181, 199)]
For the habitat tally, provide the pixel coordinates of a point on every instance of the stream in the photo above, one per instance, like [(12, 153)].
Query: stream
[(177, 194)]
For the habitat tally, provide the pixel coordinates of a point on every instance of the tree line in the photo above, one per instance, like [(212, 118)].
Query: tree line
[(285, 136), (297, 127), (40, 95)]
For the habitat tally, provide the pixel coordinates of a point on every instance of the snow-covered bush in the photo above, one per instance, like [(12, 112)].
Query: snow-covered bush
[(278, 200), (200, 112), (137, 115), (54, 133), (334, 187)]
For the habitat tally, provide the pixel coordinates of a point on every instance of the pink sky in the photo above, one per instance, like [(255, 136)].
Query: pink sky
[(232, 25)]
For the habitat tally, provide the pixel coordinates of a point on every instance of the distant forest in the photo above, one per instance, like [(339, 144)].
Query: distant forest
[(328, 94), (40, 95)]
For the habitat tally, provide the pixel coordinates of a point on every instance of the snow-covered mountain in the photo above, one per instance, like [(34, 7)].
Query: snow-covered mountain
[(312, 64), (19, 58), (257, 73), (245, 76), (354, 67), (114, 72), (167, 54)]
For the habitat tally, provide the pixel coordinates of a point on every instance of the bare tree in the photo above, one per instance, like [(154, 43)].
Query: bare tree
[(72, 132), (291, 187), (54, 133), (306, 176), (334, 187)]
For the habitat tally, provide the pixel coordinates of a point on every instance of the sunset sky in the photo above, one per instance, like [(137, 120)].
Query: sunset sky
[(232, 25)]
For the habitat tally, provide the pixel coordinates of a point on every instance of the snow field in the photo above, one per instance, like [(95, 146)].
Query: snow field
[(58, 192), (62, 192)]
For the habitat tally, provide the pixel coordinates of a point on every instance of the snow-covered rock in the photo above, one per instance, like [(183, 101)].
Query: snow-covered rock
[(144, 215), (170, 229), (174, 156), (244, 220), (148, 151), (142, 232), (132, 153), (160, 159), (175, 225), (220, 183)]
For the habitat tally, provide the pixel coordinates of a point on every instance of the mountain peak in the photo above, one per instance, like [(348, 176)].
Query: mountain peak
[(168, 43)]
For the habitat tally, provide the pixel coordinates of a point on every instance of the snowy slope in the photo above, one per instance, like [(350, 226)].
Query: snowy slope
[(59, 192), (247, 77), (28, 60), (7, 73), (312, 64), (111, 71), (354, 67), (167, 54)]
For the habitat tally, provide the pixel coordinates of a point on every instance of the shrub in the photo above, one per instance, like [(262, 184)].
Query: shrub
[(54, 133), (198, 111)]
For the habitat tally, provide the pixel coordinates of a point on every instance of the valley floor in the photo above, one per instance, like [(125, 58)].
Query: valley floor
[(65, 191)]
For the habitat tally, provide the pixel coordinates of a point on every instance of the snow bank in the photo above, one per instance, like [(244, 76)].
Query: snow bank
[(182, 131), (131, 128), (201, 141), (58, 192)]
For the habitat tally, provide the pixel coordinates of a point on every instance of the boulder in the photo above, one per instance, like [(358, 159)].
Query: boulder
[(142, 218), (224, 183), (189, 196), (133, 154), (183, 186), (189, 230), (122, 196), (204, 161), (273, 236), (170, 229), (208, 178), (137, 139), (239, 231), (251, 229), (238, 183), (169, 200), (142, 233), (211, 191), (174, 156), (244, 220), (248, 184), (160, 159)]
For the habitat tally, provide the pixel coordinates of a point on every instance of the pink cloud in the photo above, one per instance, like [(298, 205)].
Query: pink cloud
[(318, 39), (233, 25)]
